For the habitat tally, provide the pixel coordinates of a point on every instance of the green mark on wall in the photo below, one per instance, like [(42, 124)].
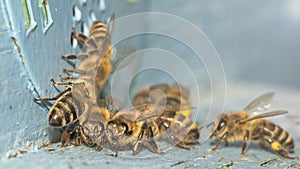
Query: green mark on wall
[(48, 21), (30, 23)]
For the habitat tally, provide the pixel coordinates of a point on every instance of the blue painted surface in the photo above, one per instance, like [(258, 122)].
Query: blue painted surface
[(258, 44)]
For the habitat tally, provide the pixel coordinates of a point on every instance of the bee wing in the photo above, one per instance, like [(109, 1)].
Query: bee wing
[(111, 22), (150, 112), (263, 115), (260, 104), (122, 57), (111, 103)]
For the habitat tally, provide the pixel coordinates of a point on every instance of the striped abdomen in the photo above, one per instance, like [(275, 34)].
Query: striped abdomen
[(163, 94), (66, 109), (96, 56), (267, 130), (180, 126)]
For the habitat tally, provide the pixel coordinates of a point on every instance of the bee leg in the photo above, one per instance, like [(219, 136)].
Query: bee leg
[(245, 143), (276, 146), (65, 138), (182, 146), (77, 71), (73, 57), (69, 57), (226, 143), (80, 37), (137, 145), (98, 148), (60, 83), (220, 141), (116, 153), (176, 141), (151, 145), (50, 99), (78, 136), (284, 154)]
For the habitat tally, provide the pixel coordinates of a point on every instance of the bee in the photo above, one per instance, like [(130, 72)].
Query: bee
[(143, 125), (250, 124), (126, 129), (91, 127), (82, 92), (178, 127), (132, 129), (163, 94), (94, 60)]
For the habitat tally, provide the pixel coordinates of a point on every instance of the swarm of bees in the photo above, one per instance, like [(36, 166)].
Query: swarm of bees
[(159, 112)]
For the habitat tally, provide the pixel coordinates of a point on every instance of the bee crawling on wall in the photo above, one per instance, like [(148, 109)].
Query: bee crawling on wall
[(82, 90), (250, 124)]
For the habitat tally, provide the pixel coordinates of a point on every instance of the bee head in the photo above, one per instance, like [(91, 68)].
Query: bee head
[(219, 126)]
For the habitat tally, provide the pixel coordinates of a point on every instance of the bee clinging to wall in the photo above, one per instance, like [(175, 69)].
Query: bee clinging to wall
[(91, 72), (250, 124)]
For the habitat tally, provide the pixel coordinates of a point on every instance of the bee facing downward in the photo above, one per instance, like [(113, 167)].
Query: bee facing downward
[(246, 125), (82, 90)]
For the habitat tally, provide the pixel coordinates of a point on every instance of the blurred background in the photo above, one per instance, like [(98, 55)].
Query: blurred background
[(257, 43)]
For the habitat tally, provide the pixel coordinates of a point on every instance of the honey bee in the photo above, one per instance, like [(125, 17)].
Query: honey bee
[(94, 60), (126, 129), (163, 94), (178, 127), (82, 92), (135, 129), (250, 124), (91, 127), (146, 123)]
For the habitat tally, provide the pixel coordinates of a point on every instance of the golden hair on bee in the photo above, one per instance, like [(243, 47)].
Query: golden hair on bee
[(163, 94), (250, 124), (174, 124)]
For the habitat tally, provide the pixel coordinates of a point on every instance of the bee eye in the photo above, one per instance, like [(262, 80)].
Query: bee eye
[(221, 125)]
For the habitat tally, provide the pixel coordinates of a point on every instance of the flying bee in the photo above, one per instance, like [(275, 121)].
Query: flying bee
[(249, 125)]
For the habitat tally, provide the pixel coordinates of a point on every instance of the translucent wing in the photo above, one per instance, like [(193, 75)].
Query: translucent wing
[(122, 57), (149, 112), (263, 115), (112, 104), (260, 104), (111, 23)]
